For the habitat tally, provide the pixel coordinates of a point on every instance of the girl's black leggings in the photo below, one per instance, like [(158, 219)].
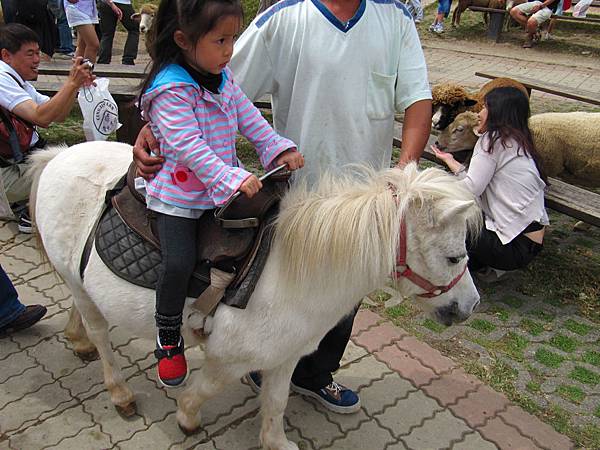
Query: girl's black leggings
[(178, 248)]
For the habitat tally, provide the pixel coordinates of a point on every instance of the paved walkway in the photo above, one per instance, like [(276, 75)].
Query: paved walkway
[(412, 396)]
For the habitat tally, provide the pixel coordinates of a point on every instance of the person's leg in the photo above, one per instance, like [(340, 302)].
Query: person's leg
[(9, 10), (314, 371), (65, 38), (87, 42), (519, 16), (178, 252), (10, 306), (488, 251), (108, 25), (133, 34), (418, 9), (16, 186)]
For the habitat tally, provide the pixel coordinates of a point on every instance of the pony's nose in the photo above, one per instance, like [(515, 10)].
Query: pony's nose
[(142, 29), (475, 305)]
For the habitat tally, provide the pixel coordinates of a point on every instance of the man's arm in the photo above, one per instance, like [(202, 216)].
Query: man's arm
[(415, 131), (58, 107)]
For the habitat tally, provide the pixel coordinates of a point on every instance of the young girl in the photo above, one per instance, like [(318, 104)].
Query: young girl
[(505, 173), (195, 110)]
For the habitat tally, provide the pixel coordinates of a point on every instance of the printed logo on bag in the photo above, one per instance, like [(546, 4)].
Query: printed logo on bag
[(106, 117)]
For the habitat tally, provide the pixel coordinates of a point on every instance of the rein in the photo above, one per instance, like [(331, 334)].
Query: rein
[(404, 271)]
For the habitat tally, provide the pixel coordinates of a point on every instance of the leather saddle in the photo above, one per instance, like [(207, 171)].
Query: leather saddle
[(235, 238)]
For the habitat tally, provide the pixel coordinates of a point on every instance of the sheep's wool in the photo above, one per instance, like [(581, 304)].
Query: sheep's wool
[(335, 86)]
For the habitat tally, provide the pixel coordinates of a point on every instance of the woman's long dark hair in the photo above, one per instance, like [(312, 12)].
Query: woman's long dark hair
[(195, 18), (508, 118)]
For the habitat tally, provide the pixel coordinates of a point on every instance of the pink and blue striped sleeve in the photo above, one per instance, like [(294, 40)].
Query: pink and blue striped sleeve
[(172, 113), (253, 126)]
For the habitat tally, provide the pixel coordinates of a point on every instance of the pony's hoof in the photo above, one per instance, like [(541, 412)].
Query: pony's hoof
[(127, 410), (89, 355), (188, 432)]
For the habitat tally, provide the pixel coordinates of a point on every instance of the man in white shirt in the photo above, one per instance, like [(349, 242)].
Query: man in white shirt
[(337, 71), (19, 62)]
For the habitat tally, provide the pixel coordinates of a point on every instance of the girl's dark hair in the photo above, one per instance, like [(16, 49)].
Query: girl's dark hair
[(195, 18), (508, 117)]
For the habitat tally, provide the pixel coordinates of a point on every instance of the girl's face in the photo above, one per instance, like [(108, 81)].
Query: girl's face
[(213, 51), (483, 115)]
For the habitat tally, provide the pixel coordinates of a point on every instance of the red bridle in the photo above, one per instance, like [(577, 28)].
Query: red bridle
[(403, 271)]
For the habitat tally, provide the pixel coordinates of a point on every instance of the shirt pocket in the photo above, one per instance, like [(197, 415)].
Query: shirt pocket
[(380, 95)]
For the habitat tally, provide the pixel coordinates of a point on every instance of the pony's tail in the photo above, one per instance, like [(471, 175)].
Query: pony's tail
[(36, 162)]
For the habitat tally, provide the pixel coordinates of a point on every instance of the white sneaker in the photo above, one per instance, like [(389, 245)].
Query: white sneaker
[(439, 28)]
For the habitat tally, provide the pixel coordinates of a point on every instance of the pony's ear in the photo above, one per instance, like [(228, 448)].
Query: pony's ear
[(453, 209)]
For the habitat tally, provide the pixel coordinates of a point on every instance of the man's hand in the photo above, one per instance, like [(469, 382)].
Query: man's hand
[(292, 158), (116, 10), (251, 186), (147, 165), (81, 73)]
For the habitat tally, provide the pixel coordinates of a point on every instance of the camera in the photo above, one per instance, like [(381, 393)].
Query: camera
[(88, 63)]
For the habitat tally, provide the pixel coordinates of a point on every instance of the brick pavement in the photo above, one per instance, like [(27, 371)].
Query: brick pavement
[(413, 397)]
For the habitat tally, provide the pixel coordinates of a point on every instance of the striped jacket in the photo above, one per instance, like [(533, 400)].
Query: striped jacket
[(197, 132)]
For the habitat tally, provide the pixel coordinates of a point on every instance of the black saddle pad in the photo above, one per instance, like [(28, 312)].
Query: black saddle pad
[(134, 259)]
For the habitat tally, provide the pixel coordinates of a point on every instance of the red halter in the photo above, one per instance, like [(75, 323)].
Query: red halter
[(402, 270)]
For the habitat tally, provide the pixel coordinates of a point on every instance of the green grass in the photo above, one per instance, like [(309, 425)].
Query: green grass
[(433, 326), (592, 357), (513, 345), (499, 312), (564, 343), (401, 310), (482, 325), (548, 358), (571, 393), (532, 327), (380, 296), (533, 387), (585, 376), (577, 327), (597, 412)]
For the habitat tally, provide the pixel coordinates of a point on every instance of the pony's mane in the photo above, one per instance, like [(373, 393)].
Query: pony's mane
[(349, 224)]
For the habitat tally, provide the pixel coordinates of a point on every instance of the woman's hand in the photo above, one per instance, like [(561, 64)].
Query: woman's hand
[(81, 73), (445, 157), (292, 158), (448, 159), (251, 186), (147, 165)]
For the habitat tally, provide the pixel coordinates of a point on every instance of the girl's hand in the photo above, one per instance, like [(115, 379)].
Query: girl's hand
[(251, 186), (292, 158), (447, 158)]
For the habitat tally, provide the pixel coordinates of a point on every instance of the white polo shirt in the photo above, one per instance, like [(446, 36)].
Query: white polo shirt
[(335, 86), (11, 94)]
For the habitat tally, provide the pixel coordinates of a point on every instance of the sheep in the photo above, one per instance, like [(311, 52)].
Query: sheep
[(464, 4), (449, 100), (566, 142), (145, 16), (493, 84)]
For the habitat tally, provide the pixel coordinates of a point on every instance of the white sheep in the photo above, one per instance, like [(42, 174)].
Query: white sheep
[(145, 16), (568, 143)]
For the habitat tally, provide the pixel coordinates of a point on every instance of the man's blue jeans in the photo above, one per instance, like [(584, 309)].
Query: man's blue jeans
[(65, 38), (10, 306)]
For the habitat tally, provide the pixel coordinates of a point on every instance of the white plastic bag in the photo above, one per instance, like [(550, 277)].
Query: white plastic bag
[(580, 9), (99, 109)]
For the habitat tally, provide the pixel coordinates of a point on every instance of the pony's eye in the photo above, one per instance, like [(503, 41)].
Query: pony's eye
[(454, 259)]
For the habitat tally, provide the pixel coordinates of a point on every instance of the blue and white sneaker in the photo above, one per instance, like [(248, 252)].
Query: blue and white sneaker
[(335, 397)]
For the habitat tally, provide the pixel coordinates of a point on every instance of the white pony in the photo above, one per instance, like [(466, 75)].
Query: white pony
[(332, 246)]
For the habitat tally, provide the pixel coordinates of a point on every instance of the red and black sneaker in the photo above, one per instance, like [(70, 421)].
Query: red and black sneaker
[(172, 367)]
